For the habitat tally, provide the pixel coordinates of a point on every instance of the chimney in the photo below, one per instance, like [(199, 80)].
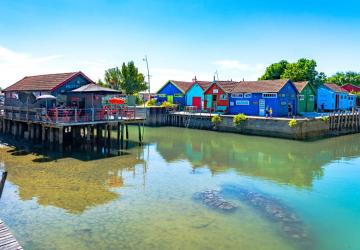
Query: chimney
[(194, 79)]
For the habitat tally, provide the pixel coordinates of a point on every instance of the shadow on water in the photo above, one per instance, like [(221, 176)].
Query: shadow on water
[(75, 179), (283, 161)]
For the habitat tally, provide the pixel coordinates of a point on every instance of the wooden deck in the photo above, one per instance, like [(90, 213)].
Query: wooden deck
[(7, 240)]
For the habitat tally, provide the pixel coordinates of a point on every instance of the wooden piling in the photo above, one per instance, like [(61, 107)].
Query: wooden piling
[(2, 183), (61, 135)]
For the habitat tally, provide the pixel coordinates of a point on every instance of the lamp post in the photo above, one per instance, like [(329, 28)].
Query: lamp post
[(148, 72)]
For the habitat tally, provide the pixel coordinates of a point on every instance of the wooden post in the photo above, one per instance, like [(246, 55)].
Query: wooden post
[(88, 138), (61, 135), (51, 135), (338, 120), (122, 135), (37, 132), (109, 133), (139, 128), (2, 183), (127, 132), (118, 133), (43, 134)]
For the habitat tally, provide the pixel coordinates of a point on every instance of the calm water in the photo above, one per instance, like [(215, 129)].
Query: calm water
[(142, 198)]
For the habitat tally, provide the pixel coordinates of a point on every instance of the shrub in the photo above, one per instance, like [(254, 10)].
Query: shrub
[(216, 120), (151, 102), (166, 104), (325, 119), (238, 119), (292, 123)]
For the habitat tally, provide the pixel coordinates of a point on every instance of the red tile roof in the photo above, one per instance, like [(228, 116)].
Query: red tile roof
[(227, 86), (262, 86), (42, 82), (183, 86), (204, 84), (334, 87), (351, 87), (300, 85)]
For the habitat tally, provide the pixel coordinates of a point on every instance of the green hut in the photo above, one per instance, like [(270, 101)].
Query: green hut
[(306, 97)]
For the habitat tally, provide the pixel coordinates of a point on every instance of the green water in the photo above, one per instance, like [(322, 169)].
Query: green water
[(141, 198)]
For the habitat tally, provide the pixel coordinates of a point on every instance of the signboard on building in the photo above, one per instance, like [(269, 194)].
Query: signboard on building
[(261, 107)]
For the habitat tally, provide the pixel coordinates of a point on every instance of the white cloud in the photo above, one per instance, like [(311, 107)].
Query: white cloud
[(231, 65), (14, 65)]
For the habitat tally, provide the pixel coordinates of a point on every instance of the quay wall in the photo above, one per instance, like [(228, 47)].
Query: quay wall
[(305, 129)]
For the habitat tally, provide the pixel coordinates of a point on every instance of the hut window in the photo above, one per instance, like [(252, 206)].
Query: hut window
[(215, 91), (178, 95), (247, 95), (223, 97), (161, 95), (311, 98), (282, 95), (269, 95), (242, 102), (237, 95), (301, 97)]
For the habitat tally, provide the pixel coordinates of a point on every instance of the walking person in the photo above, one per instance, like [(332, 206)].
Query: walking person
[(267, 112), (289, 110)]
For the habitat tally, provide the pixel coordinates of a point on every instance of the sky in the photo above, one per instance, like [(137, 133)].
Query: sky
[(182, 39)]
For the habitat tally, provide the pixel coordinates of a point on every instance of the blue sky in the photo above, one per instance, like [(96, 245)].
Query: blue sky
[(181, 38)]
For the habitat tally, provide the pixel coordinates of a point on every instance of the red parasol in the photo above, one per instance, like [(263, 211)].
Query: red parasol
[(116, 100)]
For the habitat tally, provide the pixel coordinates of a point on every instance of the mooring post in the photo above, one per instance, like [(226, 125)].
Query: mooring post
[(2, 183), (61, 136), (43, 134), (51, 135), (88, 133), (139, 129), (118, 133), (122, 135), (127, 132)]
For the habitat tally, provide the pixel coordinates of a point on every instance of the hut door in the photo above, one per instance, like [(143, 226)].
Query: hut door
[(337, 102), (170, 99), (208, 101), (214, 102)]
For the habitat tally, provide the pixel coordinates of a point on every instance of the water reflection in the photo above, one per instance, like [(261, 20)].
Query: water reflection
[(284, 161), (75, 179)]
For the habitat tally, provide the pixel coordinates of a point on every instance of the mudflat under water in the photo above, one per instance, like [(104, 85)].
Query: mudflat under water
[(171, 193)]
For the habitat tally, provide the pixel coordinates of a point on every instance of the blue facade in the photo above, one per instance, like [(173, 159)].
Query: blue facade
[(255, 104), (170, 92), (329, 100), (194, 91)]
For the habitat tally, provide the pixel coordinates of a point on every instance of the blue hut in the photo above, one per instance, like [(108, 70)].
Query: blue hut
[(173, 92), (195, 94), (332, 97), (254, 97)]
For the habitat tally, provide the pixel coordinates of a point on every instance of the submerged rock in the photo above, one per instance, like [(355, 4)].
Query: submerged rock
[(272, 209), (213, 199)]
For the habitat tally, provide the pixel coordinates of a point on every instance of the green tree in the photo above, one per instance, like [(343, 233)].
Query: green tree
[(113, 78), (302, 70), (131, 81), (341, 78), (275, 70)]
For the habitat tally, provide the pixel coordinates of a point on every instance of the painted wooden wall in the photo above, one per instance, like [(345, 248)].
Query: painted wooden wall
[(168, 91), (194, 91), (250, 103), (306, 100), (221, 97)]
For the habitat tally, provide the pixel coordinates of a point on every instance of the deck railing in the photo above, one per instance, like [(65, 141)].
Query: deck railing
[(72, 115)]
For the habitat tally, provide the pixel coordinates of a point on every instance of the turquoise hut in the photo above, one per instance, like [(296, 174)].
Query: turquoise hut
[(195, 94), (332, 97)]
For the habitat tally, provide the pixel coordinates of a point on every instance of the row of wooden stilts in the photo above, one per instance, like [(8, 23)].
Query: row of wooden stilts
[(345, 120), (36, 132)]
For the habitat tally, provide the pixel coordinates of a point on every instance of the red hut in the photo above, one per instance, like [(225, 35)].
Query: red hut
[(216, 96)]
